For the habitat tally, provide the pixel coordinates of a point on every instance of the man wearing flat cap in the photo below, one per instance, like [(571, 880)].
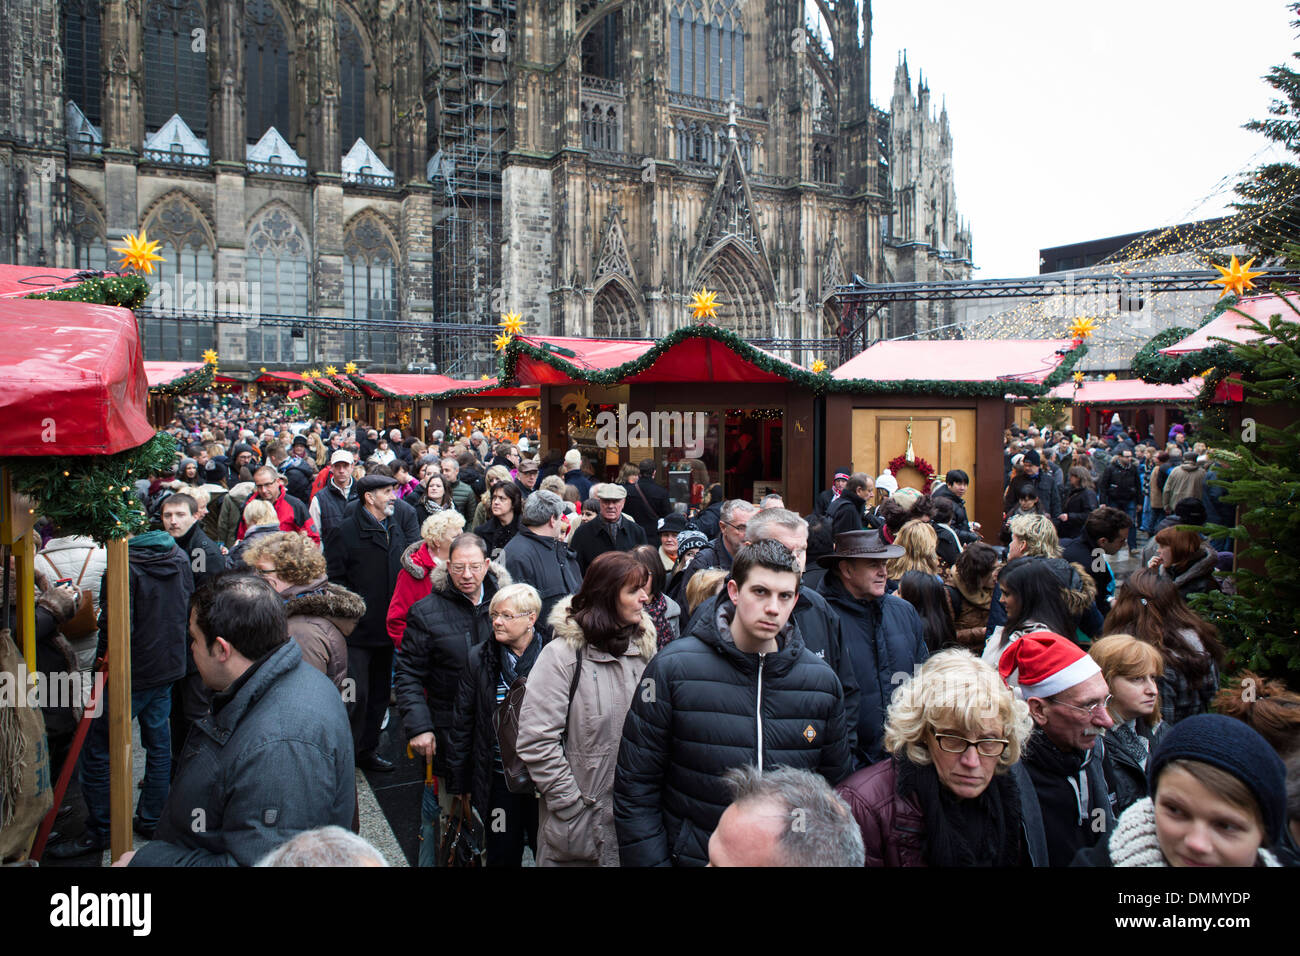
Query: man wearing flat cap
[(882, 633), (611, 531), (363, 553)]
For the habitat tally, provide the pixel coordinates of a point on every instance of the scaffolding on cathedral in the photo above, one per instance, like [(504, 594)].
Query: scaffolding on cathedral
[(471, 142)]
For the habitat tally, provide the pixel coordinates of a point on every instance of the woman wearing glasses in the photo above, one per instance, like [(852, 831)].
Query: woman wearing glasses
[(951, 793), (441, 631), (475, 766)]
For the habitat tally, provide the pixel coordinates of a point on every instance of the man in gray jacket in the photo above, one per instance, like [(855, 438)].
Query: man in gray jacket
[(274, 756)]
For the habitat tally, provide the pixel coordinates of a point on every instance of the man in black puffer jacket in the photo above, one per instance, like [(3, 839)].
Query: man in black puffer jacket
[(740, 689), (441, 631), (883, 635)]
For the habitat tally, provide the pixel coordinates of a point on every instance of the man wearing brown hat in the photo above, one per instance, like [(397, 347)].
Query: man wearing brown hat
[(526, 476), (882, 633)]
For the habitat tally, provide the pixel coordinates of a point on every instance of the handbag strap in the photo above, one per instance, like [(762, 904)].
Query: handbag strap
[(84, 564), (573, 687)]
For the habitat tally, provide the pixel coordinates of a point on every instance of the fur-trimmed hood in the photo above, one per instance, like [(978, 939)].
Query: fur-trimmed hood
[(440, 577), (1082, 592), (417, 561), (566, 629), (320, 598), (1202, 566)]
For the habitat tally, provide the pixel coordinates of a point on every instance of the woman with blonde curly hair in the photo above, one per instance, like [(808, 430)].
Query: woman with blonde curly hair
[(953, 793), (321, 614), (418, 562), (920, 545)]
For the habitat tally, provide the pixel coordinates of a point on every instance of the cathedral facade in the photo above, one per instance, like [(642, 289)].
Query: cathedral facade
[(377, 180)]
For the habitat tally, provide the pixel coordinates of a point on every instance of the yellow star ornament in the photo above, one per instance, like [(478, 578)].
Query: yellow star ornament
[(210, 357), (818, 367), (1236, 278), (305, 375), (139, 253), (1082, 328), (1078, 378), (331, 370), (350, 367), (485, 378), (512, 323), (704, 305), (314, 373), (1112, 377), (501, 341)]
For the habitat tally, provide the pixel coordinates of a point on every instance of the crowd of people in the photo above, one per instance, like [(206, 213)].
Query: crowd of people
[(601, 678)]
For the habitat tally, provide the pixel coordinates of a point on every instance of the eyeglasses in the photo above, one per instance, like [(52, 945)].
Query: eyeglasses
[(269, 484), (737, 527), (503, 616), (265, 572), (1090, 710), (462, 568), (985, 746)]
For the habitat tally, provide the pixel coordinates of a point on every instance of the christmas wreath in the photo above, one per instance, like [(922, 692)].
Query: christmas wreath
[(920, 464)]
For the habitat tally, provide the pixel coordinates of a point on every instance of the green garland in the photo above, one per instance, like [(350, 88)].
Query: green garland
[(817, 383), (1150, 366), (93, 495), (360, 380), (128, 291), (195, 380)]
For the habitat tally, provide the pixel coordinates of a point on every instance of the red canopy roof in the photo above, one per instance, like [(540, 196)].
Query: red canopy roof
[(694, 359), (72, 379), (959, 360), (410, 385), (18, 281), (1128, 391), (160, 373), (1234, 327)]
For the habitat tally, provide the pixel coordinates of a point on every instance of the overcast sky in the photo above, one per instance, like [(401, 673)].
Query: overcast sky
[(1076, 121)]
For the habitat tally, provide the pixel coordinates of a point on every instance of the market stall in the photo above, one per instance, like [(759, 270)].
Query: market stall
[(704, 404), (73, 392), (419, 404), (922, 409), (169, 379), (1149, 408)]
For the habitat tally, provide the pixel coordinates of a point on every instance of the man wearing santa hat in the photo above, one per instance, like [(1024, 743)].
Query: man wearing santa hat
[(1067, 697)]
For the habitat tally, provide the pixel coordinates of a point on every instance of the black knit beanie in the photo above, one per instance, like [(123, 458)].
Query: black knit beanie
[(1234, 748)]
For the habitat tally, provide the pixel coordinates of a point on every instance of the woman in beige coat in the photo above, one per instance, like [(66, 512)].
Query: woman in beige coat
[(604, 630)]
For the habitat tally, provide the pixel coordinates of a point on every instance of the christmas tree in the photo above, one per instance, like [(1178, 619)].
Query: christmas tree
[(1260, 472), (1271, 194)]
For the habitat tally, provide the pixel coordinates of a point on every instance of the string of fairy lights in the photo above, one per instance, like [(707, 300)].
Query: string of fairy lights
[(1185, 247)]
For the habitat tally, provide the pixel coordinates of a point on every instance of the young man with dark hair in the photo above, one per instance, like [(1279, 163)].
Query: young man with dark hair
[(955, 485), (741, 688), (1104, 533), (273, 758)]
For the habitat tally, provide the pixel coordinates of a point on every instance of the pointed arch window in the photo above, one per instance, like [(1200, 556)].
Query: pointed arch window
[(177, 74), (184, 280), (613, 314), (89, 249), (266, 69), (82, 82), (706, 49), (352, 78), (369, 292)]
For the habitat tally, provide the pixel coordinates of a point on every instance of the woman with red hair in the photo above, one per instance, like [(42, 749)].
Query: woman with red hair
[(1150, 608), (1187, 559)]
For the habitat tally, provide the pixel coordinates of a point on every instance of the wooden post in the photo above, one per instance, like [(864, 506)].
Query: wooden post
[(25, 580), (121, 785)]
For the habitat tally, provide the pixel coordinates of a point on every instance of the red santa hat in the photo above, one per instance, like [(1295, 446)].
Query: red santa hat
[(1043, 664)]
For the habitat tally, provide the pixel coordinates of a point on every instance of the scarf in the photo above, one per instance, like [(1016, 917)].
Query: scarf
[(512, 668), (1069, 765), (982, 831), (1134, 842), (658, 611)]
